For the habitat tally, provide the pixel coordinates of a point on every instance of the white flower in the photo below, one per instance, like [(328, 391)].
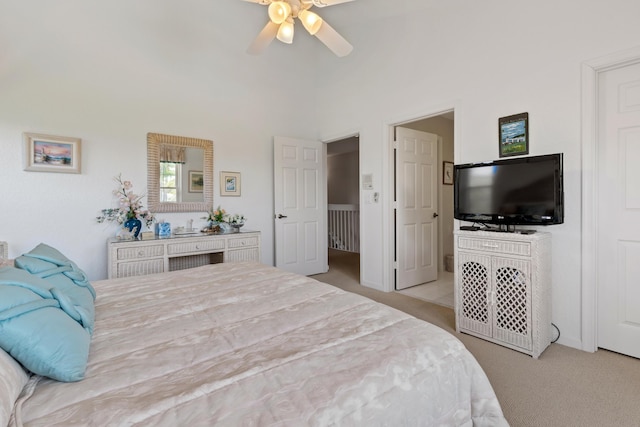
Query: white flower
[(130, 206)]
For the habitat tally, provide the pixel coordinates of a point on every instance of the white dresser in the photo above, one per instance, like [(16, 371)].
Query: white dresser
[(139, 257), (503, 288)]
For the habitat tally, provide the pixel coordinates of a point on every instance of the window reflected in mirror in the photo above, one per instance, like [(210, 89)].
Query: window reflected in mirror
[(169, 173)]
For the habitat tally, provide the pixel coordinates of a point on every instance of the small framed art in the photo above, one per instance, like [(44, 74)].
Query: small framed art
[(229, 183), (514, 135), (48, 153), (447, 173), (196, 181)]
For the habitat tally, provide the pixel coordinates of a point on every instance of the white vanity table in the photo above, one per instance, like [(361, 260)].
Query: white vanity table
[(177, 252)]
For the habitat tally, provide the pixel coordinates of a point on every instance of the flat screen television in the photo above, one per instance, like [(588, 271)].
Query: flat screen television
[(509, 192)]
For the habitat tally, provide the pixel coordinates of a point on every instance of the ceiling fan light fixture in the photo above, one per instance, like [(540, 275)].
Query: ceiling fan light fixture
[(279, 11), (282, 16), (285, 32), (311, 21)]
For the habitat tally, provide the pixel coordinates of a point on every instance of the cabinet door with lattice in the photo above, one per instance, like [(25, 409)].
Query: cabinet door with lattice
[(474, 313), (512, 301)]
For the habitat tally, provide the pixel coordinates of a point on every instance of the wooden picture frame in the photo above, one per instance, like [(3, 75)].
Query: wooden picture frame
[(514, 135), (196, 181), (49, 153), (447, 173), (230, 183)]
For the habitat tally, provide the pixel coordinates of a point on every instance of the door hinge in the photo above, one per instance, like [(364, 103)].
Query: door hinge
[(395, 265)]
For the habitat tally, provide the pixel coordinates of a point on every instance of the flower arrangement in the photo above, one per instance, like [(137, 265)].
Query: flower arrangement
[(130, 206), (216, 215), (219, 221), (238, 219)]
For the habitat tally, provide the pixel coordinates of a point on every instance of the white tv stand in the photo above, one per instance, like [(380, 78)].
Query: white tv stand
[(503, 288)]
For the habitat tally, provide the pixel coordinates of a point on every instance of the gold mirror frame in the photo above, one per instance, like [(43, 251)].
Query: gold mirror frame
[(154, 140)]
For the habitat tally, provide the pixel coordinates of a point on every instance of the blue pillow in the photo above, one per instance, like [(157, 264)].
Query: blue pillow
[(63, 275), (39, 326)]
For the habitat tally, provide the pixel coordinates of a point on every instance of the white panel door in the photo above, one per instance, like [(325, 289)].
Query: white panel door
[(300, 202), (416, 207), (618, 189)]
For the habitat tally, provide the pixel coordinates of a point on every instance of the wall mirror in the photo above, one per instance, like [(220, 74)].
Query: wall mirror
[(179, 173)]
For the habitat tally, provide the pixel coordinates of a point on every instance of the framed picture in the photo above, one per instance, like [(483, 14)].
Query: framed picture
[(48, 153), (514, 135), (196, 181), (229, 183), (447, 173)]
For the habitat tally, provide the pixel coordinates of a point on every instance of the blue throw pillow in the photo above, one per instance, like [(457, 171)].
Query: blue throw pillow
[(63, 275), (39, 326)]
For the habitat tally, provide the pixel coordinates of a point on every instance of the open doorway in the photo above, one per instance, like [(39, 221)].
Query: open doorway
[(343, 210), (441, 290)]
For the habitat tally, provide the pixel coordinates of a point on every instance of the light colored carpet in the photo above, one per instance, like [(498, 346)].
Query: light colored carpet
[(438, 292), (563, 388)]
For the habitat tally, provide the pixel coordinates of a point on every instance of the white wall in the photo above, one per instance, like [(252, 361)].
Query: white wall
[(343, 179), (487, 60), (108, 73)]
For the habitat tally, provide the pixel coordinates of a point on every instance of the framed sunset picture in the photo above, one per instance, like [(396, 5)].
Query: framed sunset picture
[(48, 153)]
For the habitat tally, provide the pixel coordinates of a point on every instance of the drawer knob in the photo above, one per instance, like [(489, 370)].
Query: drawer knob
[(141, 253)]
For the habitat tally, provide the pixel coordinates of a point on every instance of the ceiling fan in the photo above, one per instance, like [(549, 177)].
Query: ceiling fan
[(281, 20)]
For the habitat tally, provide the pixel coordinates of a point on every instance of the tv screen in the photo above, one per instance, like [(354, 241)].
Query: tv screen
[(517, 191)]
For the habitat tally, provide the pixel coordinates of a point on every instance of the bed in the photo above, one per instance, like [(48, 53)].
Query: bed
[(245, 344)]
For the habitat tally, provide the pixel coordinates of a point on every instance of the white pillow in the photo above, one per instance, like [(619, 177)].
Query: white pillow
[(13, 378)]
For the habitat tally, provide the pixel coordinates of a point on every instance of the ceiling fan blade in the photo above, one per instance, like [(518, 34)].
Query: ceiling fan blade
[(333, 40), (263, 40), (323, 3)]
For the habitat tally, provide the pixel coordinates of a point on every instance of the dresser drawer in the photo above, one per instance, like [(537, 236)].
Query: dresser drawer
[(497, 246), (243, 242), (191, 247), (247, 254), (140, 268), (140, 252)]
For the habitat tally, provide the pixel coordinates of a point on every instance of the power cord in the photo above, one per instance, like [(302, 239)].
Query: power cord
[(558, 337)]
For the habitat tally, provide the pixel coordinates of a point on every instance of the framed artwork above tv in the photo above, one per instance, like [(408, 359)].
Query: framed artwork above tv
[(514, 135)]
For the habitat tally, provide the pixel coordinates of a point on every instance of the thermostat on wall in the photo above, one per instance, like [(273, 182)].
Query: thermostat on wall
[(367, 181)]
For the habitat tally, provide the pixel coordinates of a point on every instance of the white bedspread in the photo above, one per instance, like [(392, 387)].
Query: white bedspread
[(249, 345)]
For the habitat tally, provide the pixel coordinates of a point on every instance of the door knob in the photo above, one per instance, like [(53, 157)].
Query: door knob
[(435, 215), (280, 216)]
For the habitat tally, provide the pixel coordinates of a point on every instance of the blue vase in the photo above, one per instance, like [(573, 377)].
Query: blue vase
[(133, 225)]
